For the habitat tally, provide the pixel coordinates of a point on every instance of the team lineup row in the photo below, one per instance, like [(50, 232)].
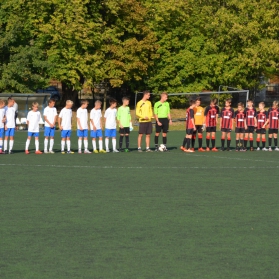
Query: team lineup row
[(247, 120)]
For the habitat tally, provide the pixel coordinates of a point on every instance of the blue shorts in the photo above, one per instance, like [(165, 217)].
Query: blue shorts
[(82, 133), (110, 133), (66, 133), (31, 134), (10, 132), (96, 134), (49, 132), (2, 133)]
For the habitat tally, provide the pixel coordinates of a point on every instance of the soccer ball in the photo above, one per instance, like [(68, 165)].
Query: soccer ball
[(162, 147)]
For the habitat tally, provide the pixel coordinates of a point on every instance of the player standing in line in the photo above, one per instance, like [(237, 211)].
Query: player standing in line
[(240, 127), (273, 115), (226, 123), (199, 122), (110, 125), (190, 128), (124, 122), (144, 113), (262, 117), (251, 122), (82, 127), (2, 123), (163, 119), (211, 116), (33, 120), (9, 126), (65, 125), (50, 116), (96, 127)]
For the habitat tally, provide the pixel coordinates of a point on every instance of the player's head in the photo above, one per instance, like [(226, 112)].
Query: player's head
[(35, 106), (84, 103), (112, 103), (11, 102), (240, 106), (198, 101), (228, 102), (2, 103), (213, 102), (146, 94), (250, 103), (69, 104), (125, 101), (275, 104), (261, 105), (98, 104), (192, 103), (51, 103), (164, 96)]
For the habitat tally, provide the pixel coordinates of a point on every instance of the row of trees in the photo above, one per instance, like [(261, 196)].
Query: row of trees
[(175, 45)]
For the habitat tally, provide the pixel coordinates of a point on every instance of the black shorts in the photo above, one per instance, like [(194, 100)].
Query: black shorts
[(250, 129), (211, 129), (261, 131), (273, 131), (164, 127), (145, 128), (240, 130), (189, 131), (124, 130), (226, 130)]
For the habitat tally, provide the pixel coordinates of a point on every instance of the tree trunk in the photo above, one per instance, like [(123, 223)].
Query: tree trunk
[(69, 94)]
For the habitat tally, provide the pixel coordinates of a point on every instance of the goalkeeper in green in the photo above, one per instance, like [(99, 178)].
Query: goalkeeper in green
[(125, 123), (163, 119)]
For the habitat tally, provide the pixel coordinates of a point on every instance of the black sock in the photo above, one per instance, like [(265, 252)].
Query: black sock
[(156, 140), (269, 141), (241, 143), (223, 143), (258, 144), (208, 142), (193, 142), (120, 141), (200, 142), (188, 143), (236, 144), (245, 143), (228, 143), (213, 143), (263, 143), (275, 142), (184, 142), (164, 140), (127, 138)]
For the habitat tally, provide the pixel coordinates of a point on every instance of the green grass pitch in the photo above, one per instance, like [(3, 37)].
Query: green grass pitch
[(138, 215)]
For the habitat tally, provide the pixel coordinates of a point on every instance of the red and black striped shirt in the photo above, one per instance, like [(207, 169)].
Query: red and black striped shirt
[(261, 119), (273, 115), (227, 116), (240, 119), (210, 114), (189, 117), (250, 116)]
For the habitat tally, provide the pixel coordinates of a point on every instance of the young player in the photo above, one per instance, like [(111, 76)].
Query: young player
[(226, 117), (82, 127), (163, 119), (2, 123), (33, 120), (273, 115), (190, 128), (251, 122), (262, 117), (199, 122), (144, 113), (110, 125), (50, 116), (96, 127), (124, 122), (240, 127), (9, 126), (65, 125), (211, 116)]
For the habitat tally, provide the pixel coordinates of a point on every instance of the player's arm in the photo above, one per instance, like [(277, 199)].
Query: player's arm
[(139, 111), (59, 123), (119, 114), (169, 114), (55, 120), (192, 119), (79, 125), (46, 120), (267, 119)]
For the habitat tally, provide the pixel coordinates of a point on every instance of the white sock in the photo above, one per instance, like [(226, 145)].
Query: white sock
[(11, 144), (51, 142), (107, 144), (62, 145), (46, 144), (1, 144), (94, 144), (79, 144), (37, 145), (5, 145), (27, 144), (85, 142), (68, 145), (113, 144), (100, 145)]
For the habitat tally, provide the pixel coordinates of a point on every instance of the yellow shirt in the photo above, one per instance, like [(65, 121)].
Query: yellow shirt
[(144, 109), (199, 115)]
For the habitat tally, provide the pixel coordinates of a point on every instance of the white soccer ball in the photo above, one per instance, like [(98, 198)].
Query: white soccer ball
[(162, 147)]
